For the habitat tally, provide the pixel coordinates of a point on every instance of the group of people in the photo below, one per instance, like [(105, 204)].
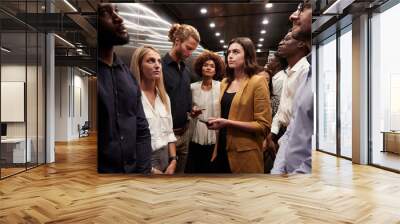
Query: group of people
[(152, 119)]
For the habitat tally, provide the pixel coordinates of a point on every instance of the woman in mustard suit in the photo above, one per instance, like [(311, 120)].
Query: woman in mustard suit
[(245, 110)]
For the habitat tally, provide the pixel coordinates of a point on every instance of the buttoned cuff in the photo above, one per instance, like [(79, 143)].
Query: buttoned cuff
[(171, 137), (275, 129)]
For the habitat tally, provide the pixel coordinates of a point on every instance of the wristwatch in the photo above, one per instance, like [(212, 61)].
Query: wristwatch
[(173, 158)]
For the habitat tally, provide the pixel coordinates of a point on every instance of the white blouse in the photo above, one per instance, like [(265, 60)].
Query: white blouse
[(208, 100), (160, 122)]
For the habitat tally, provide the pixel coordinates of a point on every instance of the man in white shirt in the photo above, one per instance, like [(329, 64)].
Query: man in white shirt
[(295, 154), (295, 52)]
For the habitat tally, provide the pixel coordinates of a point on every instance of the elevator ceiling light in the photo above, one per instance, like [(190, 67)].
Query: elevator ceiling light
[(212, 25), (268, 5), (203, 11)]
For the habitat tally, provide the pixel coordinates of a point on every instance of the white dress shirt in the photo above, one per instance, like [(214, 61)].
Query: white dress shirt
[(290, 85), (208, 100), (160, 122), (294, 155), (277, 82)]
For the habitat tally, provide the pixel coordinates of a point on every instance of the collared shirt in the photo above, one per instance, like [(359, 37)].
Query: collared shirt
[(277, 82), (160, 122), (177, 85), (208, 100), (294, 155), (294, 77), (123, 132)]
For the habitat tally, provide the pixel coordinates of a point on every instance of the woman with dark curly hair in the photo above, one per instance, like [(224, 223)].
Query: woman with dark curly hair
[(205, 97)]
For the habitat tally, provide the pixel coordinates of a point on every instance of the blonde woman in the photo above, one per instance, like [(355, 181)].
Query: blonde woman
[(147, 69)]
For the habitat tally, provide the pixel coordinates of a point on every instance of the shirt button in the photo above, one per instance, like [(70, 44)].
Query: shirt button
[(122, 138)]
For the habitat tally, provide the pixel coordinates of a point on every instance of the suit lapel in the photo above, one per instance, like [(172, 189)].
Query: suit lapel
[(223, 87)]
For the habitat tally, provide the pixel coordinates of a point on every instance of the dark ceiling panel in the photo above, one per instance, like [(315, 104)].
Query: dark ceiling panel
[(211, 1), (234, 20)]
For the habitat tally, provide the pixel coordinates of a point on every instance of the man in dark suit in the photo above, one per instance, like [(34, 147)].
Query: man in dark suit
[(124, 140)]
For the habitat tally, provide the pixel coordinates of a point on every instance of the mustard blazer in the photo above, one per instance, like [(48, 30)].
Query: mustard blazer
[(250, 104)]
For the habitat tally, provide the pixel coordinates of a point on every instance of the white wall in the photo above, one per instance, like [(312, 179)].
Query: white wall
[(71, 94), (80, 111), (61, 103)]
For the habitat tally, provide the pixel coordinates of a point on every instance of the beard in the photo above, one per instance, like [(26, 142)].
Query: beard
[(109, 39), (179, 55)]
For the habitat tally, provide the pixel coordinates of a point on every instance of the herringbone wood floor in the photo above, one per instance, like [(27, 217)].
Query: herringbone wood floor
[(71, 191)]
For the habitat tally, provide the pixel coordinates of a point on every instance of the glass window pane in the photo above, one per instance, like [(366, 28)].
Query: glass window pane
[(346, 94), (327, 95), (31, 97), (385, 84), (14, 146), (41, 99)]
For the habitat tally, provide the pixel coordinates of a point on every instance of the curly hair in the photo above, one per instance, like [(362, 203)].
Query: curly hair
[(182, 32), (209, 55)]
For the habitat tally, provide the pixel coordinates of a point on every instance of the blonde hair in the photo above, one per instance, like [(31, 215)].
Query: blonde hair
[(136, 65), (182, 32)]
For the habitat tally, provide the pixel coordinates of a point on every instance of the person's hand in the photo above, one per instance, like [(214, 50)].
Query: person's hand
[(196, 111), (155, 171), (171, 168), (265, 145), (273, 137), (217, 123), (214, 154), (270, 144)]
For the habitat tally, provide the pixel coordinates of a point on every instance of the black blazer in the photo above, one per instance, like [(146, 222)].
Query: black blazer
[(124, 140)]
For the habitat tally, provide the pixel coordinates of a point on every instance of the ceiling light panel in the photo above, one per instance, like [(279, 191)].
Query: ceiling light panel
[(145, 27)]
